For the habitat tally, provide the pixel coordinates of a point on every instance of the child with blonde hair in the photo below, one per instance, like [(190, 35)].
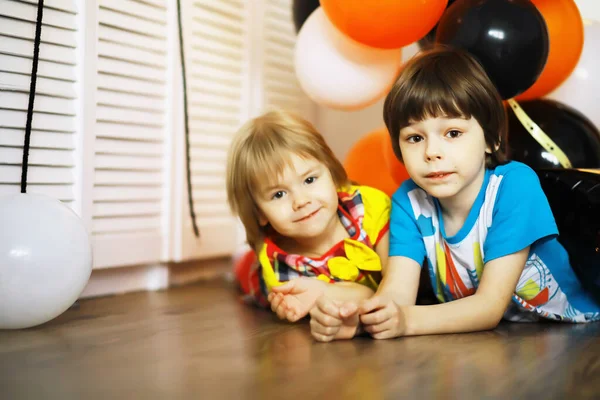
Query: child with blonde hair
[(315, 235), (480, 224)]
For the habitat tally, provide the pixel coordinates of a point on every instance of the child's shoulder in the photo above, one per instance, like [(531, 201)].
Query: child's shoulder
[(513, 168), (369, 195), (515, 176)]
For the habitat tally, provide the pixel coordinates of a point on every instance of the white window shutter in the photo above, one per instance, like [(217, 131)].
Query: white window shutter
[(130, 188), (280, 85), (54, 123), (216, 48)]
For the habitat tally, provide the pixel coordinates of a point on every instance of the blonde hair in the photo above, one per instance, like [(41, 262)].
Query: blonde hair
[(259, 153)]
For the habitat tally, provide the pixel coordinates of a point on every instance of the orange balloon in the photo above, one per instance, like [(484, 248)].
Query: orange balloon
[(386, 24), (394, 166), (365, 163), (565, 30)]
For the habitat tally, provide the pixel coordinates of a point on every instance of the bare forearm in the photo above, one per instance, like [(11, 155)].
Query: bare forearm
[(469, 314), (347, 291), (400, 282)]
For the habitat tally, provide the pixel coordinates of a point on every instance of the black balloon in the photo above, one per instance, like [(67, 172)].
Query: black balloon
[(574, 197), (428, 40), (576, 136), (508, 37), (301, 10)]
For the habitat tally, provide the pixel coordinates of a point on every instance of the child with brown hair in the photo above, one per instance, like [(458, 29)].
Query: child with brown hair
[(315, 234), (480, 224)]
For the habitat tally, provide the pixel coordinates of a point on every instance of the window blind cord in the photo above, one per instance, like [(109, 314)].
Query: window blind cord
[(186, 122), (34, 68)]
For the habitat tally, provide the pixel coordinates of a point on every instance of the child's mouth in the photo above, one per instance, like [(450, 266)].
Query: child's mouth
[(309, 216)]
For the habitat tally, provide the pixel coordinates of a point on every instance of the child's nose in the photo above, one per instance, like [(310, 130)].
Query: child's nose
[(300, 201), (433, 151)]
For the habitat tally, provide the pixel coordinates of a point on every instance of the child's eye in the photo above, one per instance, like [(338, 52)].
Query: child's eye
[(453, 134), (278, 195), (310, 179), (414, 139)]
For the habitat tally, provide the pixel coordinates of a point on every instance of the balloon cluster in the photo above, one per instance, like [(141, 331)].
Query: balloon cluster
[(348, 56), (348, 52)]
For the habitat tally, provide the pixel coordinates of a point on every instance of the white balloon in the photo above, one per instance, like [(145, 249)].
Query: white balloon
[(581, 90), (338, 72), (45, 259)]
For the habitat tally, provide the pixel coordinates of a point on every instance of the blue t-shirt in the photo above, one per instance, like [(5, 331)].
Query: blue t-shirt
[(510, 213)]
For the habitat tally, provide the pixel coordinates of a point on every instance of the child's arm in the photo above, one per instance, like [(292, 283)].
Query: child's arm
[(480, 311), (294, 299)]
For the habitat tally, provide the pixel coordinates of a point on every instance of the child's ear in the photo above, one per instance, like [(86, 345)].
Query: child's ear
[(262, 220), (488, 148)]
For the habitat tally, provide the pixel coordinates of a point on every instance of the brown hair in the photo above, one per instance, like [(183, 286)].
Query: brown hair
[(446, 82), (259, 153)]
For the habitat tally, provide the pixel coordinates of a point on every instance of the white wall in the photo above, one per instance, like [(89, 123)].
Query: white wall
[(342, 129)]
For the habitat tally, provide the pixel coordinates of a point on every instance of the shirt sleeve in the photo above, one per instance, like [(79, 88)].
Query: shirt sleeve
[(405, 237), (377, 212), (521, 215)]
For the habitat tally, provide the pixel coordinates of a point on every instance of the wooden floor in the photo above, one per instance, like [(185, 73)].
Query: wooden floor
[(199, 341)]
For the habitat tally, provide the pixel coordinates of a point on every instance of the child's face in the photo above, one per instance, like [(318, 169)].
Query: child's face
[(445, 156), (302, 203)]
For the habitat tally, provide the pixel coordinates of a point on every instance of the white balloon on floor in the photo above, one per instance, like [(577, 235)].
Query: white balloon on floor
[(338, 72), (581, 90), (45, 259)]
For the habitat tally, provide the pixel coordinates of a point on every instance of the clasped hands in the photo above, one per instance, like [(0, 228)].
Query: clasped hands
[(334, 319)]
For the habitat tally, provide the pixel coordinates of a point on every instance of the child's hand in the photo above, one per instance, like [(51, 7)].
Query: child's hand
[(382, 318), (294, 299), (331, 320)]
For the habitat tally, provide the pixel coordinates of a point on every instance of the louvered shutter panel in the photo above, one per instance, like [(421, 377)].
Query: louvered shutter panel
[(280, 85), (54, 127), (216, 54), (130, 185)]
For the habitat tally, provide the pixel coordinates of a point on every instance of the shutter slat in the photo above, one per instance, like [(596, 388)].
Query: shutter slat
[(20, 101), (125, 178), (125, 209), (46, 69), (207, 167), (18, 119), (115, 114), (28, 12), (124, 68), (50, 87), (128, 100), (61, 5), (61, 192), (210, 195), (125, 224), (136, 9), (40, 157), (156, 3), (133, 193), (130, 85), (132, 54), (48, 52), (39, 139), (208, 154), (134, 40), (127, 163), (220, 9), (208, 182), (120, 131), (26, 30), (127, 147), (131, 23), (212, 210), (35, 174), (216, 140)]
